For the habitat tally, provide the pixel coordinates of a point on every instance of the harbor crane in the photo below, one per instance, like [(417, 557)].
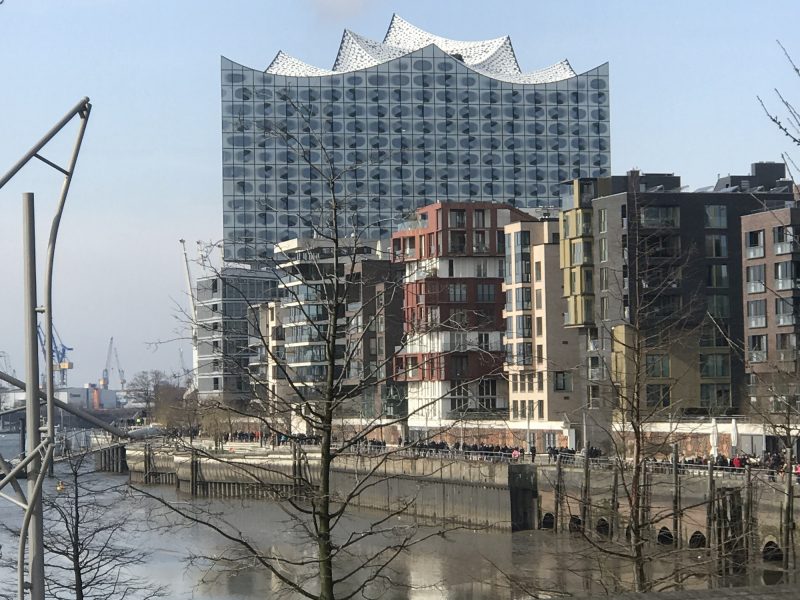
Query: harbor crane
[(120, 372), (61, 363)]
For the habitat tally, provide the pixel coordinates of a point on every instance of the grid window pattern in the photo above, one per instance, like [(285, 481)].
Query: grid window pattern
[(410, 131)]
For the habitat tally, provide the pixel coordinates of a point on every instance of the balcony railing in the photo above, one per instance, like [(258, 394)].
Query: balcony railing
[(786, 284), (787, 355), (786, 247), (595, 373), (756, 287), (789, 319), (755, 251), (757, 356), (757, 321), (593, 345), (478, 413)]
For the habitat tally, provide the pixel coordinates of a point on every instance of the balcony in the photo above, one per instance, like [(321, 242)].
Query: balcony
[(754, 322), (787, 355), (786, 247), (756, 287), (593, 345), (757, 356), (754, 251), (480, 248), (595, 373), (789, 319), (479, 413), (786, 284)]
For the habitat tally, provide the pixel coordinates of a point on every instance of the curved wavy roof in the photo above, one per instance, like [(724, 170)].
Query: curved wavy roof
[(493, 58)]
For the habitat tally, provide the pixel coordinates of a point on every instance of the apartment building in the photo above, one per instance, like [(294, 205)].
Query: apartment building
[(454, 260), (542, 356)]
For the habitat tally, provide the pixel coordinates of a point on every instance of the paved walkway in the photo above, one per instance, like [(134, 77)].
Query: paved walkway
[(783, 592)]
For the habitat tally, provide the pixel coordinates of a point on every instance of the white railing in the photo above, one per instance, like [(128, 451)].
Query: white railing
[(757, 356), (755, 251), (756, 287)]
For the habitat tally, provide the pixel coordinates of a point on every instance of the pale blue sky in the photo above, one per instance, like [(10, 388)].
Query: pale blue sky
[(684, 76)]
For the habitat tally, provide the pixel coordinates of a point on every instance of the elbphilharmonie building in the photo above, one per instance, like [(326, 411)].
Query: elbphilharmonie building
[(408, 121)]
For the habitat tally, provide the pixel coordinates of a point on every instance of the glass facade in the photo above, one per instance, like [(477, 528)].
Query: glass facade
[(410, 131)]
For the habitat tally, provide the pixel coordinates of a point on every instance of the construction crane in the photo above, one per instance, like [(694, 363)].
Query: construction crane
[(104, 379), (61, 363), (120, 372)]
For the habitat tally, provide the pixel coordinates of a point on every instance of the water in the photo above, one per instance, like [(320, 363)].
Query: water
[(461, 564)]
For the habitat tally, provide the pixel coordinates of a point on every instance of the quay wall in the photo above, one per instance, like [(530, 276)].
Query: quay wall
[(435, 490)]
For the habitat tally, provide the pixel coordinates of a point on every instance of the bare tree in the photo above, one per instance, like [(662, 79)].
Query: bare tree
[(789, 122), (145, 387), (332, 295)]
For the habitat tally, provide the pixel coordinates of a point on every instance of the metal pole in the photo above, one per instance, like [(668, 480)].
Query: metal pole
[(676, 503), (32, 414)]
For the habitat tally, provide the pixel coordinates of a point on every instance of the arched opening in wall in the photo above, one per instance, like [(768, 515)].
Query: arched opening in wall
[(772, 577), (548, 521), (603, 527), (697, 540), (772, 552), (665, 537), (575, 524)]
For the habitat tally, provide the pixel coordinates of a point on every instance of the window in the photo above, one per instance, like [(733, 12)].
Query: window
[(486, 292), (538, 295), (603, 220), (603, 278), (784, 311), (524, 326), (786, 345), (459, 395), (657, 365), (501, 242), (604, 308), (523, 298), (487, 394), (715, 365), (716, 216), (457, 292), (539, 354), (215, 383), (785, 273), (450, 268), (581, 252), (481, 267), (483, 342), (756, 278), (522, 269), (539, 381), (757, 348), (658, 217), (657, 395), (603, 250), (411, 367), (515, 410), (717, 245), (714, 335), (594, 368), (539, 327), (523, 409), (540, 409), (458, 318), (458, 242), (479, 245), (459, 364), (588, 281), (715, 395), (479, 218), (562, 381), (754, 242), (784, 239), (717, 276), (458, 218), (757, 313), (719, 306), (537, 268)]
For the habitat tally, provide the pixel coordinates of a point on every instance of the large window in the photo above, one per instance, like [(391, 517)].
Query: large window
[(657, 365), (715, 395), (457, 292), (757, 313), (754, 244), (784, 239), (658, 217), (717, 276), (715, 365), (756, 278), (603, 278), (487, 394), (486, 292), (581, 252), (716, 216), (603, 220), (524, 328), (657, 395), (719, 306), (603, 250), (459, 395), (717, 245), (458, 218), (562, 381), (757, 348), (785, 274), (784, 311)]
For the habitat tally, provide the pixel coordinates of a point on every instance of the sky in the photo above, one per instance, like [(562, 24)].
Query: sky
[(684, 80)]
